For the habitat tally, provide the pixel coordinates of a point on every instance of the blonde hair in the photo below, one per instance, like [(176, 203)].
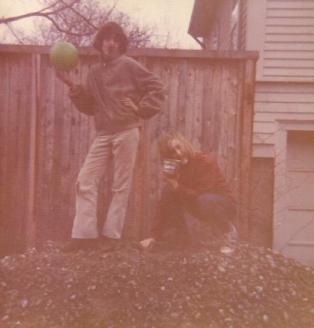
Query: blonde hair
[(165, 144)]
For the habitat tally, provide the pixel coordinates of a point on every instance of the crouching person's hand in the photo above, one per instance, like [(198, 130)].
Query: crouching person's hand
[(147, 243)]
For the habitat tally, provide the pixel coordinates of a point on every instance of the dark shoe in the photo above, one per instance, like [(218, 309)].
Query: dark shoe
[(79, 244), (109, 244)]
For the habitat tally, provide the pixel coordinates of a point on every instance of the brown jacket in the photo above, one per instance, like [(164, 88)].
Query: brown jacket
[(107, 84)]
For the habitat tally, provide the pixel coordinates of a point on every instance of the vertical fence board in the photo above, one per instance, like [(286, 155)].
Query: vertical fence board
[(32, 126), (246, 146), (207, 103)]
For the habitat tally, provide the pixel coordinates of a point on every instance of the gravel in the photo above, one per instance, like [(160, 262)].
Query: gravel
[(200, 287)]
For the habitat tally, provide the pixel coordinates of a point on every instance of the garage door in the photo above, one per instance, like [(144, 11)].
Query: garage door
[(297, 228)]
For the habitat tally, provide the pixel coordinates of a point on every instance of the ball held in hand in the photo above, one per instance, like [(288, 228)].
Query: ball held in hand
[(64, 55)]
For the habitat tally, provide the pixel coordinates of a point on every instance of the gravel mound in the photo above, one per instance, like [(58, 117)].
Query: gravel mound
[(204, 287)]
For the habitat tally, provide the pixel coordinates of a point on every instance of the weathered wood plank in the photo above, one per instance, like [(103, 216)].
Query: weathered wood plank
[(4, 158), (196, 108), (32, 127), (207, 143), (246, 146)]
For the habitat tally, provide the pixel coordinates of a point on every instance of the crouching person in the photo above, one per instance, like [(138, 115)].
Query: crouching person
[(194, 186)]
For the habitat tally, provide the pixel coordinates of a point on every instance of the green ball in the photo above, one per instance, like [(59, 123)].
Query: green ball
[(64, 55)]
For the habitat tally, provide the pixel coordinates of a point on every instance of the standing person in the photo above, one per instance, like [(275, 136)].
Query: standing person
[(194, 186), (119, 92)]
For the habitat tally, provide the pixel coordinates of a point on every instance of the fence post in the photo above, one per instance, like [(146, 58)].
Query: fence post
[(30, 219), (246, 147)]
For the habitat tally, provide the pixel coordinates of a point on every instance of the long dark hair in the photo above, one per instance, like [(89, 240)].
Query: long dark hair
[(165, 144), (114, 30)]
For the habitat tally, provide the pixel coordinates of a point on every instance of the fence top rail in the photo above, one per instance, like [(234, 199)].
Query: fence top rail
[(145, 52)]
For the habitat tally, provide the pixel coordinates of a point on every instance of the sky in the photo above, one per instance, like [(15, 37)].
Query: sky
[(171, 16)]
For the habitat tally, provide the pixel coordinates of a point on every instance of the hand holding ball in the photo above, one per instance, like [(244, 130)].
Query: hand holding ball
[(64, 55)]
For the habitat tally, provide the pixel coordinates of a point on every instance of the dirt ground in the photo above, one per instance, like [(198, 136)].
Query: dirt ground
[(199, 287)]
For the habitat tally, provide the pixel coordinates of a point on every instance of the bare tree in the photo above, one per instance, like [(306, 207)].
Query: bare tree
[(77, 21)]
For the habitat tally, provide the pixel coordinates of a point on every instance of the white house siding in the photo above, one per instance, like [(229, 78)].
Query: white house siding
[(283, 33), (288, 51), (279, 101)]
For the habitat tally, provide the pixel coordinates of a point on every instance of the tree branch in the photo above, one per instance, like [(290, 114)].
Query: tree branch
[(66, 6), (83, 17), (13, 32), (39, 13), (57, 26), (75, 21)]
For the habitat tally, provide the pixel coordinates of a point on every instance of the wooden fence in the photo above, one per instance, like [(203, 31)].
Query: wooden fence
[(44, 139)]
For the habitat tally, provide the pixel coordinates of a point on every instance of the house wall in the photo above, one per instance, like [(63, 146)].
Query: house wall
[(289, 41), (283, 33), (279, 101)]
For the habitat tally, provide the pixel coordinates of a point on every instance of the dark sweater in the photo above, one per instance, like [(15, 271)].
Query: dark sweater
[(201, 174), (108, 83), (198, 176)]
